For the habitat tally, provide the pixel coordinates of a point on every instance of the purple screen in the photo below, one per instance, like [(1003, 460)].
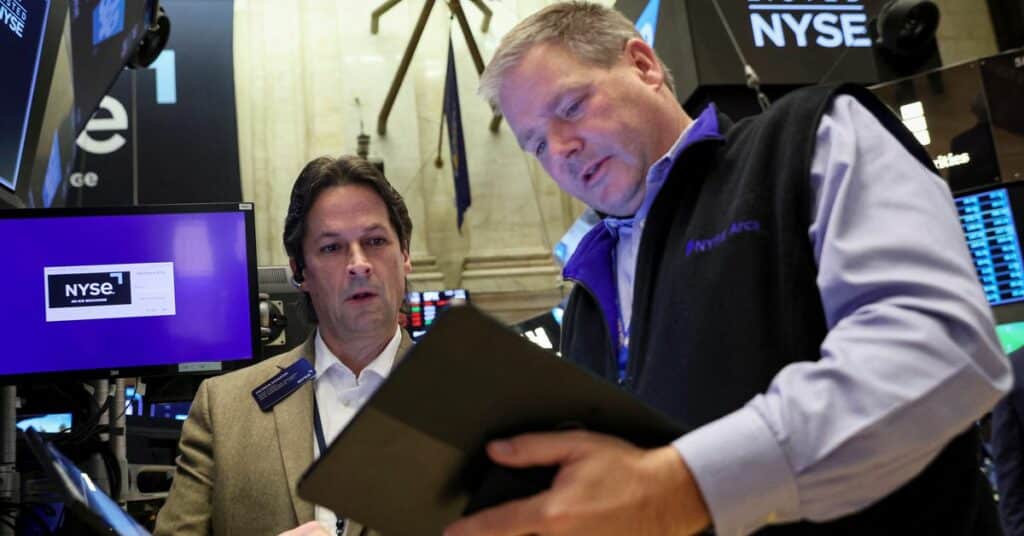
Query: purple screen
[(92, 292)]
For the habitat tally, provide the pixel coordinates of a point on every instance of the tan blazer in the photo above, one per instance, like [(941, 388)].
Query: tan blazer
[(239, 467)]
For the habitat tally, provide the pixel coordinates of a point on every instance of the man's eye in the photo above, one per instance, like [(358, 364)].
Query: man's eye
[(538, 151), (329, 248), (574, 108), (377, 242)]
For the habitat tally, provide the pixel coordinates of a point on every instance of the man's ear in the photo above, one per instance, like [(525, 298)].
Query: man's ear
[(406, 262), (296, 277), (641, 57)]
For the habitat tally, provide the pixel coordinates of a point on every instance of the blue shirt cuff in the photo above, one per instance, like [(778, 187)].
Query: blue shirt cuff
[(742, 473)]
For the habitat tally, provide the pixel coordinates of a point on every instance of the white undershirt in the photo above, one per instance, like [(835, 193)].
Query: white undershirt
[(339, 394)]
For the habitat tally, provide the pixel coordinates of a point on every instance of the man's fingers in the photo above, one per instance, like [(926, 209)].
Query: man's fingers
[(552, 448), (513, 518)]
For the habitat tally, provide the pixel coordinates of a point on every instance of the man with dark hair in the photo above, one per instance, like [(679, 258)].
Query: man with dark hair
[(793, 289), (347, 235)]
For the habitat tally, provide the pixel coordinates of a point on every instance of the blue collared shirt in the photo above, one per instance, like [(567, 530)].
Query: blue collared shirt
[(626, 231), (910, 359)]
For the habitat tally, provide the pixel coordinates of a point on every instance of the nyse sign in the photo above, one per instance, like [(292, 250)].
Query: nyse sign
[(804, 23)]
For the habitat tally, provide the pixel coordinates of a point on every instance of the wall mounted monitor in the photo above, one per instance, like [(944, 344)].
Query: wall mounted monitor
[(131, 291), (105, 34), (425, 306), (968, 117), (991, 220)]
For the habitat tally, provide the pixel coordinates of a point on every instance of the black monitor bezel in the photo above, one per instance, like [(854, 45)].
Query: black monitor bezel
[(153, 370), (53, 35)]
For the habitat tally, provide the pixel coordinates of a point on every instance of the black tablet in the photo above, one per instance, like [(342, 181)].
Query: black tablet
[(412, 460)]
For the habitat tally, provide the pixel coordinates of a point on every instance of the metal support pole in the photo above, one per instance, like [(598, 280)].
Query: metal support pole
[(486, 23), (382, 9), (118, 437), (474, 52), (10, 484), (94, 465), (389, 101), (403, 67)]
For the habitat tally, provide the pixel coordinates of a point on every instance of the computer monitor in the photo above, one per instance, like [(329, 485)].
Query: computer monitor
[(425, 306), (105, 34), (21, 39), (52, 423), (132, 291), (79, 493), (967, 117), (36, 99), (991, 218)]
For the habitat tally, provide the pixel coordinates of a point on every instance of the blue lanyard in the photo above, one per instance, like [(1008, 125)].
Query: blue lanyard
[(622, 343), (319, 430)]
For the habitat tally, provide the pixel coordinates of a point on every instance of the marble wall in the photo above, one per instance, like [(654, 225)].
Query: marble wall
[(310, 76), (965, 31)]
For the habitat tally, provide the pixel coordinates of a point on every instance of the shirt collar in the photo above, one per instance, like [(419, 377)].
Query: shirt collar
[(380, 366), (704, 126)]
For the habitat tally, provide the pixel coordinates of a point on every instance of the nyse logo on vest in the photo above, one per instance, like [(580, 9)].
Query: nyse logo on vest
[(804, 23), (702, 245), (89, 289)]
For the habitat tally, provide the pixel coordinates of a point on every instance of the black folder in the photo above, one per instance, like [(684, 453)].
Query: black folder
[(413, 457)]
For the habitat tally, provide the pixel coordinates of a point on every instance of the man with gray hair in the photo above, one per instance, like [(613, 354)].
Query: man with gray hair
[(793, 289)]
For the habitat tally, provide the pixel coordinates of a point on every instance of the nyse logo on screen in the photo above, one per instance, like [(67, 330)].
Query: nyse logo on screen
[(89, 289), (14, 16), (808, 23)]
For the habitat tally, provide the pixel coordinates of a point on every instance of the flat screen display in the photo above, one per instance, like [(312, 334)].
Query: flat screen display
[(111, 289), (22, 24), (989, 222), (967, 117), (104, 34), (1011, 336), (425, 306)]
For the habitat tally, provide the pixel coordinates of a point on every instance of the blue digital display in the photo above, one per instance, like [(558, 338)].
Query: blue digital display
[(647, 22), (107, 20), (990, 229)]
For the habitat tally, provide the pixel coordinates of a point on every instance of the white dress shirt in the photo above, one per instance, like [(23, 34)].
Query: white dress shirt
[(340, 394)]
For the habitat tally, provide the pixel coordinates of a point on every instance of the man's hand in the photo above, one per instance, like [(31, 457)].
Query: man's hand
[(603, 486), (313, 528)]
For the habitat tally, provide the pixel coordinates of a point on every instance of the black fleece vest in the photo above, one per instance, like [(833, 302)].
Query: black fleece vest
[(725, 297)]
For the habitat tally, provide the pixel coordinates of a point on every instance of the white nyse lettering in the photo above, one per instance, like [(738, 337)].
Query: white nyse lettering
[(825, 24), (799, 27), (828, 28), (854, 29), (762, 29), (118, 120)]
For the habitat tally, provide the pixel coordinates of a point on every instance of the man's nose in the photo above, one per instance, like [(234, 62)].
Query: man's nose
[(359, 263), (564, 143)]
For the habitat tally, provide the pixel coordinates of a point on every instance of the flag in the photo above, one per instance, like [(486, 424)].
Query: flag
[(456, 141)]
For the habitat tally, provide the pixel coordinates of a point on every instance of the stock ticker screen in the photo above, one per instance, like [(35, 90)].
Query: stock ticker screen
[(425, 306), (990, 228)]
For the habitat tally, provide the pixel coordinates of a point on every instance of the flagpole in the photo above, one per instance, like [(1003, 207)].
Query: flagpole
[(438, 161)]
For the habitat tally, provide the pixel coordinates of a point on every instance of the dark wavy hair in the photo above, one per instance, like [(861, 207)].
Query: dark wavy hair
[(324, 173)]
